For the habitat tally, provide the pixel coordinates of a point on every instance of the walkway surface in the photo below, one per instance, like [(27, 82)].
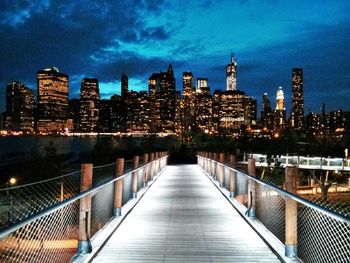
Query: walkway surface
[(184, 218)]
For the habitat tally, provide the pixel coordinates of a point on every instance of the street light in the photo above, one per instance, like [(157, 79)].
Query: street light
[(12, 181)]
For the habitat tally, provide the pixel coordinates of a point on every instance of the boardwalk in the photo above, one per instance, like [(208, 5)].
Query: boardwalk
[(184, 218)]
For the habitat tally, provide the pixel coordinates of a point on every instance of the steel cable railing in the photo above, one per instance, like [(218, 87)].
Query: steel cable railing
[(323, 234), (20, 202), (305, 162), (55, 233)]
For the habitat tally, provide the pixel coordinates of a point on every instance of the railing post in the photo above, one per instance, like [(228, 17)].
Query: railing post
[(134, 177), (215, 164), (221, 169), (233, 176), (212, 164), (152, 166), (146, 169), (205, 162), (251, 188), (291, 176), (118, 188), (156, 158), (84, 245)]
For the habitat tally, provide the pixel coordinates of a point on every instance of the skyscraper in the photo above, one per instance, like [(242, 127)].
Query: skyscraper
[(162, 91), (124, 85), (52, 100), (187, 84), (19, 107), (267, 114), (297, 117), (280, 114), (202, 86), (231, 77), (232, 112), (89, 105)]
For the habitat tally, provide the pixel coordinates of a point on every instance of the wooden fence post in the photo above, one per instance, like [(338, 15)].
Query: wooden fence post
[(84, 245), (151, 166), (291, 177), (215, 164), (118, 188), (233, 176), (221, 169), (146, 169), (135, 176), (251, 188)]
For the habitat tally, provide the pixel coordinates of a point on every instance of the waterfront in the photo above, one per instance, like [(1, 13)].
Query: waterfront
[(37, 144)]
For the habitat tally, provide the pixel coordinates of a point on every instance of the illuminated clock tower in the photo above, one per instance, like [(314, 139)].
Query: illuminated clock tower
[(231, 77)]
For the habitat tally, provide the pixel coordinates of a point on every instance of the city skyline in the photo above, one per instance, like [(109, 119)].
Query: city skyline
[(269, 40)]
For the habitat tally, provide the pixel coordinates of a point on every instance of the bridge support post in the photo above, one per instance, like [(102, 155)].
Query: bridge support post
[(291, 177), (221, 169), (151, 166), (205, 161), (233, 176), (212, 167), (118, 188), (84, 244), (155, 166), (251, 188), (146, 169), (134, 177), (215, 164)]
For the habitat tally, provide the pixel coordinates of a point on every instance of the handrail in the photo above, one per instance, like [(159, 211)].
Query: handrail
[(297, 198), (323, 162), (38, 182), (11, 228)]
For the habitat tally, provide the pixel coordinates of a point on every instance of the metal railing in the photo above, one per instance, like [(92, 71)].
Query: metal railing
[(309, 232), (55, 226), (303, 162)]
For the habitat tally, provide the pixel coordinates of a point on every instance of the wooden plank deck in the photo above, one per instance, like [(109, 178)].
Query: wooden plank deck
[(184, 218)]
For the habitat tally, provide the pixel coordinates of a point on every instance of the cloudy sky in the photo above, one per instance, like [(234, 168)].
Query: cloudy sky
[(103, 39)]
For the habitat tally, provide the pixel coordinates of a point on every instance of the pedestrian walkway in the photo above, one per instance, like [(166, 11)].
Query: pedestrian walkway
[(184, 218)]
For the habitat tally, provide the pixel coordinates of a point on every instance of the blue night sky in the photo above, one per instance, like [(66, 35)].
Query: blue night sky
[(103, 39)]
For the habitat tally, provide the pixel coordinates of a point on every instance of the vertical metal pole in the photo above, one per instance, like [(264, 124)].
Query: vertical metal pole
[(221, 169), (233, 176), (84, 244), (291, 177), (134, 177), (251, 188), (118, 188)]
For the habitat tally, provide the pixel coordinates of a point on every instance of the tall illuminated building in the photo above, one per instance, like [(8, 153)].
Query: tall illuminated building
[(232, 112), (162, 96), (267, 116), (297, 117), (19, 107), (52, 100), (89, 105), (187, 84), (124, 85), (231, 75), (280, 113)]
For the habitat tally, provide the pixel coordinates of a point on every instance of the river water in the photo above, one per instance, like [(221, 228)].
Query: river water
[(18, 144)]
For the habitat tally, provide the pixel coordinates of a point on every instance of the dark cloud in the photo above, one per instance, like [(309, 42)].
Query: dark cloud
[(70, 35), (100, 39)]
